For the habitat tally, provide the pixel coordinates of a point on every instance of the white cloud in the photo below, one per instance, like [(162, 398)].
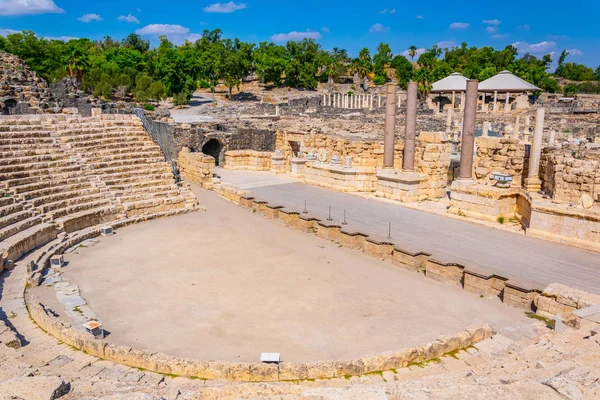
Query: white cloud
[(295, 36), (490, 29), (325, 29), (24, 7), (499, 36), (524, 27), (420, 51), (225, 7), (6, 32), (575, 52), (194, 36), (163, 29), (535, 48), (129, 19), (61, 38), (459, 25), (386, 11), (495, 22), (378, 28), (90, 17), (419, 17), (446, 44)]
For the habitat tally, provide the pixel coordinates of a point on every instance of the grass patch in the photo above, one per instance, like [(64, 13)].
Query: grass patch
[(12, 315), (500, 220), (78, 310), (549, 322), (148, 107)]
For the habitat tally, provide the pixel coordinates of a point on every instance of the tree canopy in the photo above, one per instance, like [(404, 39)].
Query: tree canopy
[(131, 67)]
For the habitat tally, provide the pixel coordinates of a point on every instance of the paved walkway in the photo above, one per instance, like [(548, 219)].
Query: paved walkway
[(508, 254)]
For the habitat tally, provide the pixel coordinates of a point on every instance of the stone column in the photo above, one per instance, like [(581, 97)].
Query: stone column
[(495, 101), (379, 101), (468, 132), (462, 101), (507, 104), (449, 121), (453, 98), (533, 183), (390, 126), (485, 129), (517, 127), (408, 157), (552, 136), (324, 97)]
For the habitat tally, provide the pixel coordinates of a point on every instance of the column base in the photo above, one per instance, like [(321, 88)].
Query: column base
[(462, 183), (533, 184)]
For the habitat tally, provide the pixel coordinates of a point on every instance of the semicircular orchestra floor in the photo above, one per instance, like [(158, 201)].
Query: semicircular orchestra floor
[(226, 284)]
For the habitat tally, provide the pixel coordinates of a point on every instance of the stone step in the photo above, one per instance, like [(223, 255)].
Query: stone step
[(6, 161), (132, 177), (19, 226), (144, 185), (45, 172), (132, 170), (104, 135), (16, 216), (77, 208), (28, 152), (24, 134), (144, 154), (29, 147), (69, 202), (75, 131), (165, 193), (24, 141), (118, 146), (120, 163), (96, 143), (39, 183), (60, 192), (35, 166), (6, 199), (86, 217)]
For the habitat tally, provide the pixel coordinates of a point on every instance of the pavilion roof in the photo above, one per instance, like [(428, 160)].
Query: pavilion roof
[(506, 81), (455, 82)]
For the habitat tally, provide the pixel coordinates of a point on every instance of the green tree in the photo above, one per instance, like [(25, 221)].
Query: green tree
[(76, 64), (412, 52), (302, 62), (382, 60), (270, 62), (404, 70), (362, 66)]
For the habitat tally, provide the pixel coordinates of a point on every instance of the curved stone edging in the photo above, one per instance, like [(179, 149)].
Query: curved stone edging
[(249, 372)]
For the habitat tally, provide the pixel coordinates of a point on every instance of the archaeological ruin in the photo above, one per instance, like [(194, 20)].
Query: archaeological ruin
[(316, 245)]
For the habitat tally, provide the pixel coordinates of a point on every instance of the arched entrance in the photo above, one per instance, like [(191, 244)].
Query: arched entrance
[(213, 148)]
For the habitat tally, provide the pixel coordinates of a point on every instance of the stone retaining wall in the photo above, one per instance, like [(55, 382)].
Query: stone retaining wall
[(355, 179), (248, 160), (196, 167)]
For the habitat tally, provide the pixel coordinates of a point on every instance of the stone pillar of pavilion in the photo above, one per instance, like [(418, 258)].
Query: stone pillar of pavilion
[(468, 135), (507, 103), (495, 100), (390, 126), (485, 129), (533, 182), (453, 98), (405, 184)]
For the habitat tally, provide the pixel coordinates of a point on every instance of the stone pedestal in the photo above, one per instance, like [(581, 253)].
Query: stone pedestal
[(483, 202), (338, 177), (278, 163), (298, 166), (400, 185)]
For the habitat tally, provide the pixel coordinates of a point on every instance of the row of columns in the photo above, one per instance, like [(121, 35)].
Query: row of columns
[(408, 157), (467, 149), (340, 100), (496, 102)]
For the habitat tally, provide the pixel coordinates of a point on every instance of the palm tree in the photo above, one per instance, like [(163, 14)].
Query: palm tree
[(412, 52), (76, 64), (362, 67)]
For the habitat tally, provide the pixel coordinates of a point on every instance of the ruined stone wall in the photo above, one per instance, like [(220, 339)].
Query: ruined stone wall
[(253, 139), (567, 173), (504, 155), (432, 158), (196, 167), (248, 160)]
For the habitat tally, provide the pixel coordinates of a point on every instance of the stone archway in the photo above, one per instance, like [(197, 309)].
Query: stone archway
[(213, 148)]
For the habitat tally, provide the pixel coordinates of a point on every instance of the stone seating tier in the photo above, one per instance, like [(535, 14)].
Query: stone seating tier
[(74, 172)]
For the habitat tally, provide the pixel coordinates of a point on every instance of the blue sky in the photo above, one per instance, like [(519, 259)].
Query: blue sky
[(351, 24)]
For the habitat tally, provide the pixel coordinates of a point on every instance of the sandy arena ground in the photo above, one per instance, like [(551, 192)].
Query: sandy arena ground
[(227, 284)]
